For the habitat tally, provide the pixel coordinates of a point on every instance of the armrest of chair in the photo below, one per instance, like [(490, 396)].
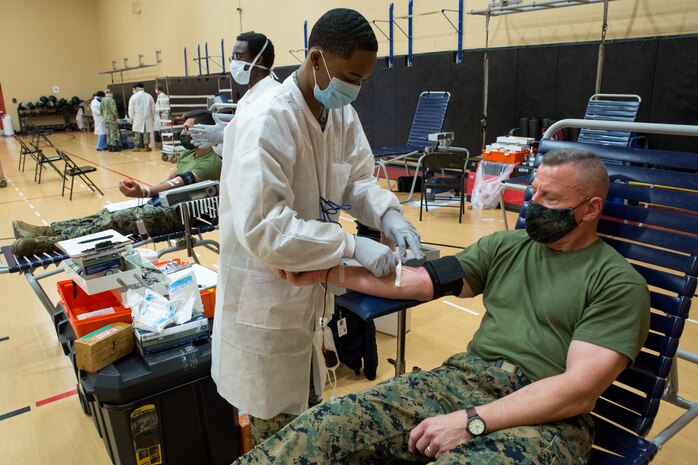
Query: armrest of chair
[(369, 307)]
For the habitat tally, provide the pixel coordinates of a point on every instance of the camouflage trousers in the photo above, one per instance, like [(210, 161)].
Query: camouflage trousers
[(373, 426), (141, 139), (113, 137), (158, 220)]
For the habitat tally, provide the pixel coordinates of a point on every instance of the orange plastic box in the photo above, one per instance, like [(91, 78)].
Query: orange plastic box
[(76, 302), (505, 157)]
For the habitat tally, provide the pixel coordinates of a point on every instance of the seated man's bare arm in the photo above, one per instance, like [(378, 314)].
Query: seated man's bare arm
[(133, 189), (415, 283)]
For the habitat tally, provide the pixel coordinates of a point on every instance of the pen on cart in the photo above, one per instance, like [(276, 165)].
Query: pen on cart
[(87, 241)]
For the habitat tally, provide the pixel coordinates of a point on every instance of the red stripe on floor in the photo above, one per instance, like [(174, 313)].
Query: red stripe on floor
[(48, 400), (108, 169)]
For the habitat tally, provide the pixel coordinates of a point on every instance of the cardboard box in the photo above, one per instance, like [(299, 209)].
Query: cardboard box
[(98, 349), (246, 441), (173, 336)]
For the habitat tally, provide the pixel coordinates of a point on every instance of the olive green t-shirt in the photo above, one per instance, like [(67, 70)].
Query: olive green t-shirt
[(538, 300), (207, 167)]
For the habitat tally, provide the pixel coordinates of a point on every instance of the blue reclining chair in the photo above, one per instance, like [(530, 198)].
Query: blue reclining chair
[(651, 218), (428, 119), (610, 107)]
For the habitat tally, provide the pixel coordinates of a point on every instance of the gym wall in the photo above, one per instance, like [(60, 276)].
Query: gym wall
[(48, 43), (542, 81)]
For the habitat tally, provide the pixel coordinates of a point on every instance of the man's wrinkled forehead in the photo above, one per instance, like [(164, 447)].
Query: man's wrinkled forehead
[(560, 179)]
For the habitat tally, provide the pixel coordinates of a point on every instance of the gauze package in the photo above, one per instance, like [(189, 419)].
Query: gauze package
[(184, 286), (153, 312)]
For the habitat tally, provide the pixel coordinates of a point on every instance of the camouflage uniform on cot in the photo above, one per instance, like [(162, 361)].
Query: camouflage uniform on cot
[(158, 220), (373, 426), (110, 114)]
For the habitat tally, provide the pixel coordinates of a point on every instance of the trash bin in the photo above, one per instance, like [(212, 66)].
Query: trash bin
[(7, 127)]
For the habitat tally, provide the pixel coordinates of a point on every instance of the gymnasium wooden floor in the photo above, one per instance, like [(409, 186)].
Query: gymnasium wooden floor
[(41, 421)]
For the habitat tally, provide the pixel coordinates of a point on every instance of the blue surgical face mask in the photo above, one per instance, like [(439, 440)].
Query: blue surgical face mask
[(338, 93)]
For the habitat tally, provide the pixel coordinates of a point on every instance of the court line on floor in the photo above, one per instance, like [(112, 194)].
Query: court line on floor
[(63, 395), (106, 168), (14, 413), (472, 312)]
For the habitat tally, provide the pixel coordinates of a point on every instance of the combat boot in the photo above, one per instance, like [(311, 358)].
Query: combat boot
[(147, 149), (24, 230), (137, 149), (34, 245)]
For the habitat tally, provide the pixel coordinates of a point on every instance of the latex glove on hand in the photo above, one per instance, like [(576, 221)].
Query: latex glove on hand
[(374, 256), (402, 233), (206, 135)]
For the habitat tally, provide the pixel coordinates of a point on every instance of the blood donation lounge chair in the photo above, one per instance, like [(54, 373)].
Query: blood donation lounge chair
[(651, 218), (610, 107), (428, 119)]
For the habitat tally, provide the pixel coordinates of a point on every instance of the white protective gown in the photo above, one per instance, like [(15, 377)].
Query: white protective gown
[(162, 110), (256, 91), (277, 164), (97, 117), (141, 110)]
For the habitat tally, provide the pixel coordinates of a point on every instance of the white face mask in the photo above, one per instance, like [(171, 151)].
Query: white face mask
[(242, 75)]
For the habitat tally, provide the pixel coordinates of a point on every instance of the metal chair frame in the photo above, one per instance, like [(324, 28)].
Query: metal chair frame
[(71, 170)]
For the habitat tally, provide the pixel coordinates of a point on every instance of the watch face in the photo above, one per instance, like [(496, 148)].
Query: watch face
[(476, 426)]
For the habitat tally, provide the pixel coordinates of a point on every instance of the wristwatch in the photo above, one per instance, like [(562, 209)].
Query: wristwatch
[(476, 425)]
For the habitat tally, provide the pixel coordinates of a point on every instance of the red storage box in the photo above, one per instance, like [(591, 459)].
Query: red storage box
[(504, 157), (77, 302)]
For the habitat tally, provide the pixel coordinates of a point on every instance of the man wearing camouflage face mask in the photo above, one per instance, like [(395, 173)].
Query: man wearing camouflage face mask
[(565, 314)]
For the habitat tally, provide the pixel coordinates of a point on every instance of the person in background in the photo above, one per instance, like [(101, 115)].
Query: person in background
[(565, 315), (292, 160), (194, 165), (110, 114), (95, 107), (162, 112), (250, 65), (141, 110)]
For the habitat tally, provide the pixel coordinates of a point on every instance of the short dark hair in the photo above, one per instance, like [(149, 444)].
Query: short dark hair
[(341, 31), (140, 84), (160, 88), (255, 42), (99, 93), (590, 169), (200, 117)]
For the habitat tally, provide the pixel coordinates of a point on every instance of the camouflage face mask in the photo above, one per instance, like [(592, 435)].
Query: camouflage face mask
[(546, 225)]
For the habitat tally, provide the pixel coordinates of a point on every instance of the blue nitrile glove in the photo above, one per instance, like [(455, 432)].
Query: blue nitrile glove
[(402, 233), (374, 256), (207, 135)]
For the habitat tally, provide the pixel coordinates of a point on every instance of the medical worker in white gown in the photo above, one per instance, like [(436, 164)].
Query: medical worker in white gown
[(291, 160)]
